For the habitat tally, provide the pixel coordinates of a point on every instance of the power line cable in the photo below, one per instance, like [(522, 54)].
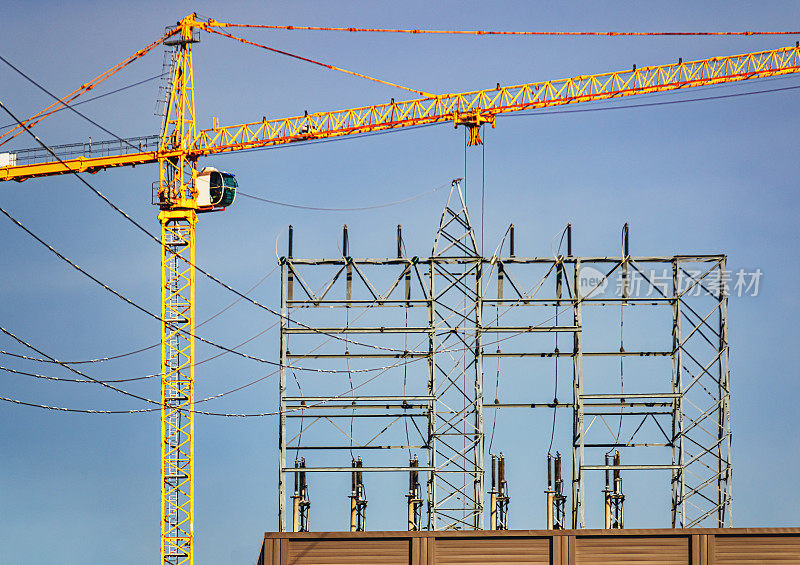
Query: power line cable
[(157, 317), (79, 177), (76, 371), (149, 347), (93, 98), (154, 238), (559, 273), (83, 361), (234, 415), (39, 116), (67, 106), (66, 380)]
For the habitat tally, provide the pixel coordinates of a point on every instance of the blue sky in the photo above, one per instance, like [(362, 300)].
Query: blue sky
[(702, 177)]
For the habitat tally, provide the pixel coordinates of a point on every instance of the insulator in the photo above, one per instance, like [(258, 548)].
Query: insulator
[(558, 466), (569, 240), (399, 241)]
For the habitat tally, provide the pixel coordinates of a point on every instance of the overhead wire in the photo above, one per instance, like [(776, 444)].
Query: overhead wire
[(157, 317), (206, 413), (63, 379), (354, 209), (51, 109), (741, 94), (155, 239), (559, 273), (66, 106), (149, 347), (236, 389), (76, 371), (383, 370), (262, 414), (83, 361)]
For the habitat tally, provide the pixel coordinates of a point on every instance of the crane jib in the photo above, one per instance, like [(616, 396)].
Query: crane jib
[(471, 109)]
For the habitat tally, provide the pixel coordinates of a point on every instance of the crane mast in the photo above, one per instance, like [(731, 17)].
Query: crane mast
[(177, 198), (180, 145)]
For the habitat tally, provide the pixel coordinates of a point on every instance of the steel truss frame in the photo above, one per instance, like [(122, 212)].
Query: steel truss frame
[(679, 417), (177, 385)]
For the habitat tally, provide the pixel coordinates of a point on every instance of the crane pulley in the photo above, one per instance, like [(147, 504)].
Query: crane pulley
[(183, 192)]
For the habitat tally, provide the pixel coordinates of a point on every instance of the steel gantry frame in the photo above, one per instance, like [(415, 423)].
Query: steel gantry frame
[(673, 413)]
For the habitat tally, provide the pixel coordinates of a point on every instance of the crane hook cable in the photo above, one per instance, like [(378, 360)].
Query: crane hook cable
[(327, 66), (54, 107), (212, 22), (356, 209)]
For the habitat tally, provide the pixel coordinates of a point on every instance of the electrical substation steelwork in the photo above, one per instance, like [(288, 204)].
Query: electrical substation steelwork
[(436, 322)]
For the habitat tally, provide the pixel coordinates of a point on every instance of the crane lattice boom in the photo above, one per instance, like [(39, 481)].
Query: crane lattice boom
[(471, 109)]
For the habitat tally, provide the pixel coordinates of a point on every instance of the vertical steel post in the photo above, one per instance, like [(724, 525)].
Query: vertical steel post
[(678, 505), (549, 493), (282, 400), (290, 274), (296, 500), (608, 523), (724, 443), (478, 395), (493, 499), (578, 512), (432, 391)]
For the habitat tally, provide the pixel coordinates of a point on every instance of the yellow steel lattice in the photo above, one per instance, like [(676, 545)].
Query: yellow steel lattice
[(467, 108), (177, 386)]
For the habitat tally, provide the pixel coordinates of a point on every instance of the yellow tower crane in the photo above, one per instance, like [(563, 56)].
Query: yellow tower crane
[(183, 192)]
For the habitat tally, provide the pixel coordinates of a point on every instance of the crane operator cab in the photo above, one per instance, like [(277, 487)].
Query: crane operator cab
[(215, 189)]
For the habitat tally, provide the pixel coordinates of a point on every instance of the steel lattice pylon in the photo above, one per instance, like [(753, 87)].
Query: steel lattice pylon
[(702, 483), (456, 380)]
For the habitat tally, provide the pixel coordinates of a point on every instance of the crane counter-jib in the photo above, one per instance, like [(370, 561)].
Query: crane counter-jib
[(471, 109)]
